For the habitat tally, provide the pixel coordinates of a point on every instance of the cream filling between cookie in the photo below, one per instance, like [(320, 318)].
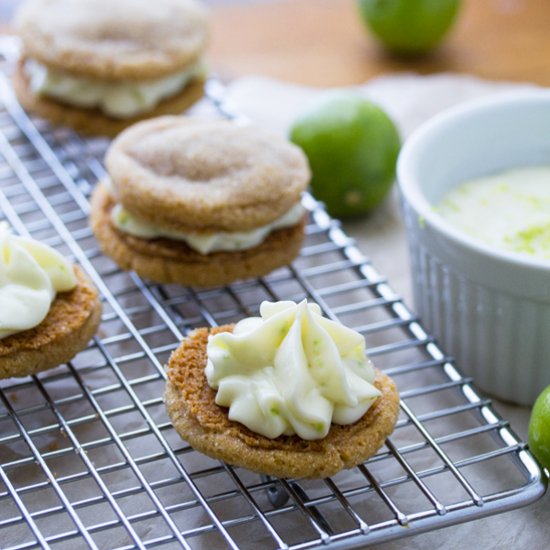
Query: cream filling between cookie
[(205, 243), (291, 371), (31, 274), (116, 98)]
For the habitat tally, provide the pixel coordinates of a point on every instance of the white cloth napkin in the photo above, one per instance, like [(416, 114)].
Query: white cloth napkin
[(410, 100)]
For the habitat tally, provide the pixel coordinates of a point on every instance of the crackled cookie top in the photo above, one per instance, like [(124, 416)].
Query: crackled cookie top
[(205, 175), (114, 39)]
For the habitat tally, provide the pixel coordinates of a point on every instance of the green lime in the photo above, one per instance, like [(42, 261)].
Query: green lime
[(352, 147), (539, 428), (409, 26)]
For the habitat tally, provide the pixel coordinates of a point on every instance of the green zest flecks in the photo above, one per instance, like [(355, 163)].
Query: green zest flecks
[(290, 371), (534, 240), (509, 210)]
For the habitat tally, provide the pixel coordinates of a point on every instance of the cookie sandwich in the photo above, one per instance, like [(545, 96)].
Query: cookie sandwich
[(289, 394), (101, 65), (200, 202), (49, 309)]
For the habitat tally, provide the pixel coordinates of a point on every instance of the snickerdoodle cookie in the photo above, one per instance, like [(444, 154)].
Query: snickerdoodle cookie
[(289, 394), (200, 202), (49, 309), (100, 65)]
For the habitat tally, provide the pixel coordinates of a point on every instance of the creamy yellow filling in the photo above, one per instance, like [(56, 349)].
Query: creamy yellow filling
[(31, 274), (509, 210), (291, 371), (116, 98), (205, 243)]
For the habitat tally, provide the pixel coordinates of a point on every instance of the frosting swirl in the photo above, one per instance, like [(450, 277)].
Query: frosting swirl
[(291, 371), (31, 274)]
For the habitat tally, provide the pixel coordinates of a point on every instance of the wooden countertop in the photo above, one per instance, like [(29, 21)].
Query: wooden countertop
[(323, 42)]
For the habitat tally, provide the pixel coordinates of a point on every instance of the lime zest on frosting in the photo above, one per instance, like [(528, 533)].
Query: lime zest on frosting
[(291, 371)]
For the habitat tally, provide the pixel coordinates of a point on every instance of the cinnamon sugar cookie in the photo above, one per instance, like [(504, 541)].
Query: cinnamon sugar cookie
[(200, 202), (100, 65), (208, 427)]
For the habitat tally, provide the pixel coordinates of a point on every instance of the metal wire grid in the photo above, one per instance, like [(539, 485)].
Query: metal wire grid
[(89, 458)]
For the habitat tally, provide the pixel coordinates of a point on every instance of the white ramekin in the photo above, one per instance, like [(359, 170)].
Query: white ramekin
[(490, 309)]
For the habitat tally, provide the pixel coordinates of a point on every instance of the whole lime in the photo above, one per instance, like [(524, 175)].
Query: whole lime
[(539, 428), (409, 26), (352, 147)]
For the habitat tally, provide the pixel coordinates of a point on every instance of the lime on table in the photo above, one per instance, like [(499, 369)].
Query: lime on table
[(409, 26), (539, 428), (352, 147)]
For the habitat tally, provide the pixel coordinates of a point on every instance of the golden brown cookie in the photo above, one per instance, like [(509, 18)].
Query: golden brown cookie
[(191, 174), (106, 39), (170, 261), (72, 320), (203, 202), (190, 402), (128, 42)]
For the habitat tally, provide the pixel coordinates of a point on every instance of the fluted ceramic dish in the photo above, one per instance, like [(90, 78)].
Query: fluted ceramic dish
[(487, 307)]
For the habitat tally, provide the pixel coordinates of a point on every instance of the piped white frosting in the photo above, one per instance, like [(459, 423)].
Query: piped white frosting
[(291, 371), (31, 274)]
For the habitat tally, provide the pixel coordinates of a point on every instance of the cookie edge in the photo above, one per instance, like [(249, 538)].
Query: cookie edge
[(29, 362), (284, 463), (244, 264), (92, 121)]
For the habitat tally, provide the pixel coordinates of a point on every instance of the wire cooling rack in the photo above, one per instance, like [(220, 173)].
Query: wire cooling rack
[(88, 456)]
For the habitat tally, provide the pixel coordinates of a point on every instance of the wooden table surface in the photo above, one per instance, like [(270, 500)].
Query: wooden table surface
[(323, 42)]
